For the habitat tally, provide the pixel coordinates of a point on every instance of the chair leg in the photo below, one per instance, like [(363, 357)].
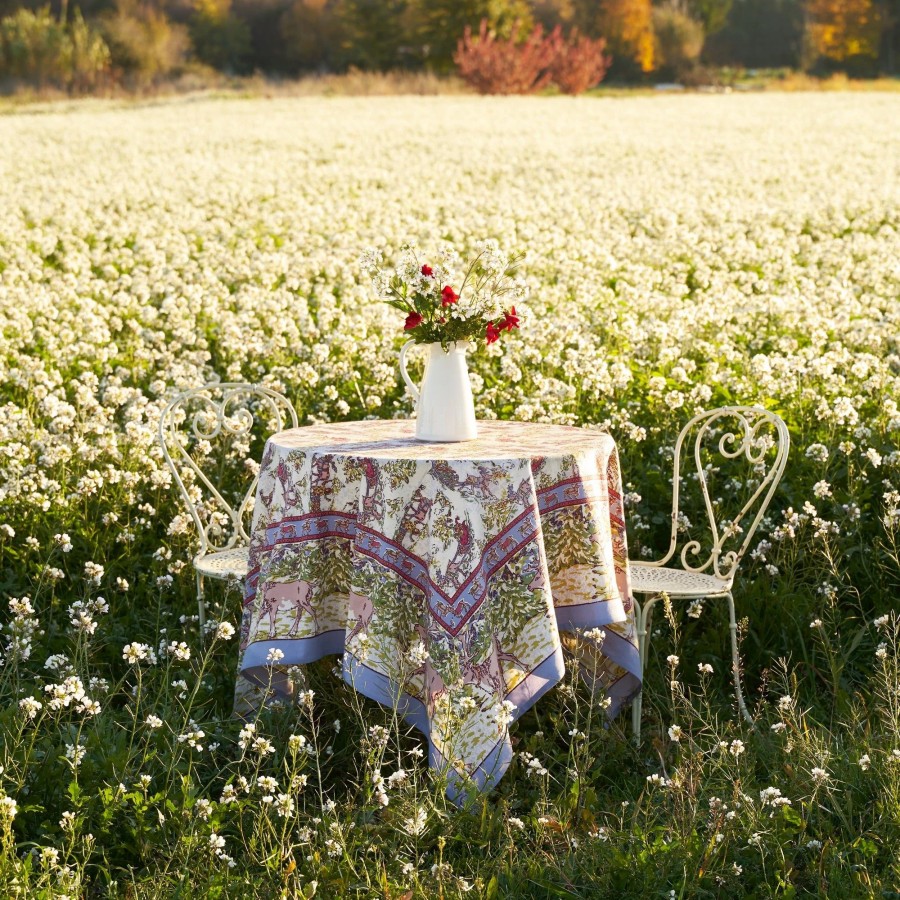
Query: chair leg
[(201, 604), (736, 661), (643, 615)]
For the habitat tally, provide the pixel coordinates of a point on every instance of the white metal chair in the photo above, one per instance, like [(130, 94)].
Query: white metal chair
[(218, 410), (757, 439)]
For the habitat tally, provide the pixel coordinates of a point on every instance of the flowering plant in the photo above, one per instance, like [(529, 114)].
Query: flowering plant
[(445, 301)]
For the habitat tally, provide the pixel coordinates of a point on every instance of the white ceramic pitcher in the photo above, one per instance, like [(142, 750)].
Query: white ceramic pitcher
[(445, 410)]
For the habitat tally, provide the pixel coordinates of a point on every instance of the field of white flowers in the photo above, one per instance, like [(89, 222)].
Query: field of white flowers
[(683, 253)]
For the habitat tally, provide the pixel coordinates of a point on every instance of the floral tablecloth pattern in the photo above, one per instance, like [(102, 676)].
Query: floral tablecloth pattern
[(443, 573)]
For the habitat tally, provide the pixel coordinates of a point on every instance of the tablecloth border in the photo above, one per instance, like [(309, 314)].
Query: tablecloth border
[(492, 767), (377, 686)]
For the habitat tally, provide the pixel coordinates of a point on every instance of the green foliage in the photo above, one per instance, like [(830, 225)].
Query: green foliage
[(313, 35), (143, 42), (519, 600), (374, 33), (439, 24), (150, 40), (218, 37), (712, 13), (759, 33), (147, 801), (37, 49), (34, 46), (679, 40)]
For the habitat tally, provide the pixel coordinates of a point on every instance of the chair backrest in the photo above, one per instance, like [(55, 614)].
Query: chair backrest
[(217, 412), (749, 435)]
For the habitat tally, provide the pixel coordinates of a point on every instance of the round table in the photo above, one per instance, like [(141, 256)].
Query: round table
[(443, 573)]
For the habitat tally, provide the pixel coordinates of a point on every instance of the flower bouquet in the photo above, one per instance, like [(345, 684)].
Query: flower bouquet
[(446, 302), (450, 307)]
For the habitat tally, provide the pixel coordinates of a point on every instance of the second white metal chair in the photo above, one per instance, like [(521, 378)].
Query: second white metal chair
[(750, 435), (219, 410)]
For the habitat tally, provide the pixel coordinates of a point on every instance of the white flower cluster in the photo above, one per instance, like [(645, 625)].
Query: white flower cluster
[(484, 292), (217, 845), (503, 713), (533, 766), (21, 629), (70, 693), (137, 652), (192, 737), (772, 796)]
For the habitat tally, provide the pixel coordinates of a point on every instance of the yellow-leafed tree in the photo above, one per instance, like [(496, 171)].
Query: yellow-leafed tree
[(841, 29), (627, 26)]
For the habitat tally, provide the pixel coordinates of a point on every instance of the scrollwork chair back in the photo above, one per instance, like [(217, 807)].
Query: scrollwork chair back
[(224, 414), (737, 434)]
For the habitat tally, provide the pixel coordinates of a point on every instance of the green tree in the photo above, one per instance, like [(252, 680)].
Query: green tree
[(759, 34), (679, 40), (440, 25), (143, 42), (373, 33), (713, 14), (312, 33), (220, 39), (568, 538), (39, 49), (890, 42), (90, 55), (264, 20), (34, 47)]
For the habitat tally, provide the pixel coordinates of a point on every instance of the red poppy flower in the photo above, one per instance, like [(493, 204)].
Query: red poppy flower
[(413, 320), (426, 271), (511, 321), (492, 333), (448, 296)]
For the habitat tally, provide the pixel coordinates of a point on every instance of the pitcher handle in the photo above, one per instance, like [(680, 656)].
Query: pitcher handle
[(409, 383)]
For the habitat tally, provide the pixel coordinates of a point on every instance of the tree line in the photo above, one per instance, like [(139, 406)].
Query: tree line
[(139, 42)]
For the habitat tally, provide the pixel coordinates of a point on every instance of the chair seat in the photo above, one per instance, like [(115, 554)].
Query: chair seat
[(224, 564), (647, 579)]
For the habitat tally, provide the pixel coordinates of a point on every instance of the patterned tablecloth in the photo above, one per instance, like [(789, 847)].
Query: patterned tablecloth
[(442, 572)]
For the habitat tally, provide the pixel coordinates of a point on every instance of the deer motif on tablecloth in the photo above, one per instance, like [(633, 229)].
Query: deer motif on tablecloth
[(523, 495), (480, 484), (362, 608), (296, 594), (485, 672)]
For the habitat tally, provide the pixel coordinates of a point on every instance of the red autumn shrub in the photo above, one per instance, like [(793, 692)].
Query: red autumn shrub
[(494, 66), (579, 64)]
